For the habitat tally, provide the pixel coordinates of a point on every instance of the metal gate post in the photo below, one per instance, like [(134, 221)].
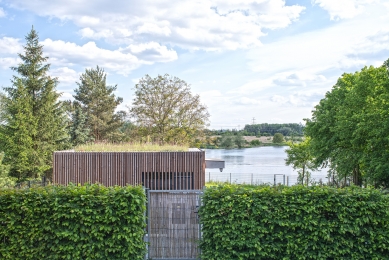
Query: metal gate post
[(148, 224)]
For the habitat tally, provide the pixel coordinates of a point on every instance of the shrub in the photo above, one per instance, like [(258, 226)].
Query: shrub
[(278, 138), (87, 222), (255, 142), (247, 222)]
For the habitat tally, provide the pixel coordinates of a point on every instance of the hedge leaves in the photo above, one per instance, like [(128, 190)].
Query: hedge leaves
[(87, 222), (294, 223)]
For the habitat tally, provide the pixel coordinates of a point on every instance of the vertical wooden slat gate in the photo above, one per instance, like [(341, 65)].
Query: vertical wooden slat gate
[(173, 224)]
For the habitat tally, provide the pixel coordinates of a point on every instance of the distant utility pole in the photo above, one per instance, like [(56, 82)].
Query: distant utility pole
[(253, 120)]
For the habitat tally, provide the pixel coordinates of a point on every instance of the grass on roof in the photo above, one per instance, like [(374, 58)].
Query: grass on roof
[(130, 147)]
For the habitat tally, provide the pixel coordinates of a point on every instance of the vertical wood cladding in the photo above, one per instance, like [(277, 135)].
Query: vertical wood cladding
[(154, 170)]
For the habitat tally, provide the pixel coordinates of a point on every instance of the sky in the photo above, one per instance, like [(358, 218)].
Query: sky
[(261, 61)]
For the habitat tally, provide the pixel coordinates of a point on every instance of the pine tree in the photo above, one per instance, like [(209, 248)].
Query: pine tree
[(79, 132), (35, 122), (99, 104)]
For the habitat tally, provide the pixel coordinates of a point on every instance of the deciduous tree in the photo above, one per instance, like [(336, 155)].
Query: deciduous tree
[(299, 156), (166, 111), (349, 127), (278, 138)]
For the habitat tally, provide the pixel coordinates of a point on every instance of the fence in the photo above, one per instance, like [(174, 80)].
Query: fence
[(33, 183), (254, 178)]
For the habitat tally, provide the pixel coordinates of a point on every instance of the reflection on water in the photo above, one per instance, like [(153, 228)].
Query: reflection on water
[(255, 165)]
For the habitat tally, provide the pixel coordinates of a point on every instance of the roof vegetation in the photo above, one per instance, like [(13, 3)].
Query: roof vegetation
[(130, 147)]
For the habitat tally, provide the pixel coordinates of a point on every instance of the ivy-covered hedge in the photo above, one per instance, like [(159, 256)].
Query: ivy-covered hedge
[(87, 222), (246, 222)]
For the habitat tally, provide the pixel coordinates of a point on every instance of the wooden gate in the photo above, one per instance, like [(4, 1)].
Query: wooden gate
[(173, 224)]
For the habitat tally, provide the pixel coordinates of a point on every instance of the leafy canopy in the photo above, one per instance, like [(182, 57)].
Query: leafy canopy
[(299, 156), (349, 127), (278, 138), (166, 111)]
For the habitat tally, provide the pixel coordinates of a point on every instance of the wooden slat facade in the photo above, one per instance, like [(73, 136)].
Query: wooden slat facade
[(154, 170)]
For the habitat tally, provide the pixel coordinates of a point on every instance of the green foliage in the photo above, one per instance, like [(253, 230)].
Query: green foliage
[(99, 103), (248, 222), (130, 147), (166, 111), (79, 132), (227, 141), (278, 138), (255, 142), (5, 180), (266, 129), (239, 141), (349, 128), (33, 120), (86, 222), (300, 157)]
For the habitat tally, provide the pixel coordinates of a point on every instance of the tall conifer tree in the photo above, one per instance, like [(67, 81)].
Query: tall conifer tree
[(79, 132), (34, 122), (99, 104)]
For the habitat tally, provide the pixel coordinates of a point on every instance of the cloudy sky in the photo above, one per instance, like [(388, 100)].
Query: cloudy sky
[(272, 60)]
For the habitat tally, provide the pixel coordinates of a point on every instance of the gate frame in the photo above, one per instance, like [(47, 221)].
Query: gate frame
[(199, 192)]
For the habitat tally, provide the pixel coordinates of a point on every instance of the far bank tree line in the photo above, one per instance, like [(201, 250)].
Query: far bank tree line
[(34, 122), (264, 129)]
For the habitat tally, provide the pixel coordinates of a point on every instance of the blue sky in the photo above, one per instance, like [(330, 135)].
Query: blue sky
[(271, 60)]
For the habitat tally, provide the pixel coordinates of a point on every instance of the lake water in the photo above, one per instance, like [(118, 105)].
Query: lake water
[(255, 165)]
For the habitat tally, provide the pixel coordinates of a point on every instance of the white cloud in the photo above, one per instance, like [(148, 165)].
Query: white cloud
[(89, 55), (279, 99), (204, 24), (64, 55), (255, 86), (343, 9), (329, 49), (371, 49), (151, 51), (65, 75), (8, 62), (10, 45), (9, 48), (91, 34), (301, 78), (2, 12), (121, 61), (66, 96), (247, 101), (299, 99)]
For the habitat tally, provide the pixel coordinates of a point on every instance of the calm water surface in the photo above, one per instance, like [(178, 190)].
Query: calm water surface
[(255, 165)]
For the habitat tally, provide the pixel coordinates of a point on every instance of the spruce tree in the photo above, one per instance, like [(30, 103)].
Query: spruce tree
[(79, 132), (35, 122), (99, 104)]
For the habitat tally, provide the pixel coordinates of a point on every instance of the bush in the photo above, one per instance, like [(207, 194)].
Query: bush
[(255, 143), (247, 222), (278, 138), (87, 222)]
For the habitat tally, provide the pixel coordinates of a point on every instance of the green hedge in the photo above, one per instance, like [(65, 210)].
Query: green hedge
[(245, 222), (86, 222)]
